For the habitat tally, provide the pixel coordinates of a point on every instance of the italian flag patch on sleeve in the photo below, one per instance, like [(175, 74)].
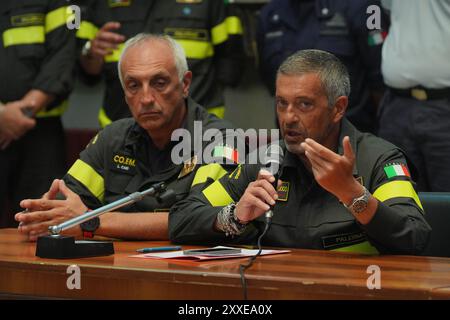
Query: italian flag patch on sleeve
[(226, 152), (396, 170)]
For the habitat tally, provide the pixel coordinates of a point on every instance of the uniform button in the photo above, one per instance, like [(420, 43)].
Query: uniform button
[(325, 11), (275, 18)]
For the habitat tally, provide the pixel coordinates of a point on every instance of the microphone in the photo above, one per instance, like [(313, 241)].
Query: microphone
[(272, 163)]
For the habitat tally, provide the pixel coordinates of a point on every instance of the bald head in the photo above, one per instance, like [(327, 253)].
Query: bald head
[(157, 43)]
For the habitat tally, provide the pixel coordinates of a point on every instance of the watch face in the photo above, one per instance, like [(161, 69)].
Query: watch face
[(359, 206)]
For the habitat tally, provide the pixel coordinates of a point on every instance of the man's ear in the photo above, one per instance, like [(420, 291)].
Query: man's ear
[(187, 80), (339, 108)]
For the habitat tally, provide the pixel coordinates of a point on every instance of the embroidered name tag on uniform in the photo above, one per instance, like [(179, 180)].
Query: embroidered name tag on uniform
[(283, 191), (119, 3), (30, 19), (343, 240), (124, 164), (187, 34), (188, 167)]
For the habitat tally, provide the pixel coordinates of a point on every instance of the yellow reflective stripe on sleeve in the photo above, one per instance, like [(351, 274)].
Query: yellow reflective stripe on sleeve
[(55, 112), (23, 35), (217, 195), (103, 119), (234, 25), (219, 33), (114, 56), (231, 25), (363, 247), (195, 49), (395, 189), (213, 171), (56, 18), (87, 176), (218, 111), (87, 31)]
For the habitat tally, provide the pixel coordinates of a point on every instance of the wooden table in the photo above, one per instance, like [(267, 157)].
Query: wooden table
[(302, 274)]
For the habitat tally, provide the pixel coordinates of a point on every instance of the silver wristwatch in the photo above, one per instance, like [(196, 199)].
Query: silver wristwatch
[(359, 204), (85, 51)]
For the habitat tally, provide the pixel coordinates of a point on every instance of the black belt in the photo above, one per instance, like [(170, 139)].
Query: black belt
[(423, 94)]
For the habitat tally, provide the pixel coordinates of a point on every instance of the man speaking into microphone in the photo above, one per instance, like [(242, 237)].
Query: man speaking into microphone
[(339, 189), (134, 153)]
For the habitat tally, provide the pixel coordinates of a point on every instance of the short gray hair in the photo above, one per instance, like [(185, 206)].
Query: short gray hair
[(331, 71), (177, 50)]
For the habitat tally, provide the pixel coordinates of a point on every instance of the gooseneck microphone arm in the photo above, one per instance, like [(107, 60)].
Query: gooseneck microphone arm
[(158, 189)]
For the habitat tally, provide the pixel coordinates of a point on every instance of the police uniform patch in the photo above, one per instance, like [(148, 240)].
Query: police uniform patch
[(30, 19), (123, 164), (188, 167), (283, 191), (119, 3)]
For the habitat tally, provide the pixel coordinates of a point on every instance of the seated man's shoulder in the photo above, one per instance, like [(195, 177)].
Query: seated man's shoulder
[(374, 146)]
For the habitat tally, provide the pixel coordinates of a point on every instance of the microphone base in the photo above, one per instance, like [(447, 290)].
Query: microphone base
[(63, 247)]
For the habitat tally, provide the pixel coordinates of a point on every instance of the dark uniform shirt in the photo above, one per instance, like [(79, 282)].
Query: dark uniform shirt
[(37, 51), (307, 216), (210, 35), (122, 159), (336, 26)]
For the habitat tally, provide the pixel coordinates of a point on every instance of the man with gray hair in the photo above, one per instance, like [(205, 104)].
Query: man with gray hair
[(338, 189), (133, 153)]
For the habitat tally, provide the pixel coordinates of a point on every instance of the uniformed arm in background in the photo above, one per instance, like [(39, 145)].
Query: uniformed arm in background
[(55, 78), (228, 43), (95, 42), (370, 43)]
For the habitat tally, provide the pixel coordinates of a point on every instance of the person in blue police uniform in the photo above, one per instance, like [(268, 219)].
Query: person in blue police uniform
[(134, 153), (37, 58), (208, 30), (336, 26), (339, 189)]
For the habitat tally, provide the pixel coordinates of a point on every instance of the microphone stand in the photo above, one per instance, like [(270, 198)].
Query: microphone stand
[(57, 246)]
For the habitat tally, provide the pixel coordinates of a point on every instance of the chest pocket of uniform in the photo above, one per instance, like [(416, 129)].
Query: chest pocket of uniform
[(335, 37), (25, 33), (273, 43)]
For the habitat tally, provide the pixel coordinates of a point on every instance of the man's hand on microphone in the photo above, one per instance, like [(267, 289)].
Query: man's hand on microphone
[(45, 212), (257, 198)]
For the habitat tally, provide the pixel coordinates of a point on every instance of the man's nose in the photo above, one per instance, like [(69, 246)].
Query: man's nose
[(289, 116), (148, 95)]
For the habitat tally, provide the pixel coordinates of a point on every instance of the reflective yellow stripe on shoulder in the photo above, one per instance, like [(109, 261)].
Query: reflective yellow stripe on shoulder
[(217, 195), (395, 189), (56, 18), (103, 119), (23, 35), (87, 31), (363, 247), (196, 49), (231, 25), (217, 111), (213, 171), (87, 176), (55, 112)]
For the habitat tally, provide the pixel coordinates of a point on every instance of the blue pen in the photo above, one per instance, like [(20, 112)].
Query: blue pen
[(158, 249)]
